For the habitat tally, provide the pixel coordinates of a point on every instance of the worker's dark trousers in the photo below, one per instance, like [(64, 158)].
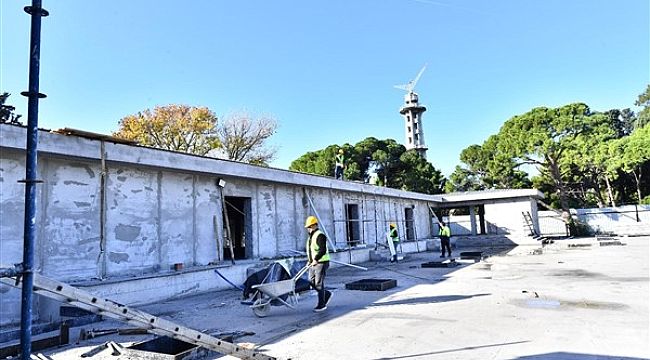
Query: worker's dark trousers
[(338, 173), (445, 244), (317, 280)]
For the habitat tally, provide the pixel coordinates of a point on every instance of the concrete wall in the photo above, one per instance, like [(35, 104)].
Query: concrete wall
[(633, 220), (506, 218)]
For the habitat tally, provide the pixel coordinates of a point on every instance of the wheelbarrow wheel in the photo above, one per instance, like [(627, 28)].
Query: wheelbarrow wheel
[(261, 310)]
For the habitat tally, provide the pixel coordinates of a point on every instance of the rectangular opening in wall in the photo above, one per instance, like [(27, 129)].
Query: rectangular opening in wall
[(353, 224), (239, 219), (409, 223)]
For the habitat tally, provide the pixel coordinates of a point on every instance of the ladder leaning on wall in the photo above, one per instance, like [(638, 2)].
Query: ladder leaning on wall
[(528, 220), (68, 294)]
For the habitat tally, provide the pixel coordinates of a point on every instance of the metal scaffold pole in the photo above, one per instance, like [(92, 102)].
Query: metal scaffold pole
[(33, 95)]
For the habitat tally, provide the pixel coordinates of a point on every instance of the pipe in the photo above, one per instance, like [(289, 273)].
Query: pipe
[(31, 170), (228, 281), (332, 261)]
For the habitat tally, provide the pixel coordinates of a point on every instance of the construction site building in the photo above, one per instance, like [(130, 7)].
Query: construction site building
[(139, 225)]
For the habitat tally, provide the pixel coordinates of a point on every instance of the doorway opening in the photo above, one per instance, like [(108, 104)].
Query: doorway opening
[(238, 211)]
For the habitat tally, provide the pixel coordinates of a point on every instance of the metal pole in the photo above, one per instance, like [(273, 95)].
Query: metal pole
[(31, 169)]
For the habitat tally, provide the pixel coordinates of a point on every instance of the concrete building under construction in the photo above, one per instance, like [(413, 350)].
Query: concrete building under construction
[(138, 225)]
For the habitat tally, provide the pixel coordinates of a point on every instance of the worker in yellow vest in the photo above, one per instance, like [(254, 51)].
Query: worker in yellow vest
[(445, 234), (394, 238), (318, 257), (340, 165)]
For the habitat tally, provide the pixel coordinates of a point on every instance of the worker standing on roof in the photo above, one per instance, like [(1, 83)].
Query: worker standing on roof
[(318, 257), (445, 234), (392, 234), (340, 165)]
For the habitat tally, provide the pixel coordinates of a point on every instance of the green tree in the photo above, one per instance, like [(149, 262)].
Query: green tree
[(7, 114), (485, 167), (543, 137), (631, 154), (463, 179), (643, 117), (587, 157), (394, 166), (417, 174), (173, 127)]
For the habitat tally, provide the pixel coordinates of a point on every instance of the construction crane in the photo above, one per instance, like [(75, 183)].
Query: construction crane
[(411, 84)]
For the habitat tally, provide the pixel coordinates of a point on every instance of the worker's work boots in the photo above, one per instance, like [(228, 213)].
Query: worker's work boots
[(323, 306)]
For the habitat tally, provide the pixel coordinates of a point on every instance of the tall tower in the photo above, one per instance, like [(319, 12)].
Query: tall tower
[(412, 112)]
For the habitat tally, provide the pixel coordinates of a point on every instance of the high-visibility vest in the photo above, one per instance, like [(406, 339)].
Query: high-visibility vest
[(339, 160), (313, 248), (393, 235), (444, 231)]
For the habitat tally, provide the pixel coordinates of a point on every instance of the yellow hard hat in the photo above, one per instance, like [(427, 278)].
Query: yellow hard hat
[(311, 221), (393, 225), (340, 151)]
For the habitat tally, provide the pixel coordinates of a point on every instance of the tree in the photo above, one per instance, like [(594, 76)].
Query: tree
[(587, 157), (485, 167), (395, 167), (195, 130), (631, 154), (463, 179), (7, 114), (242, 137), (643, 117), (173, 127), (543, 136), (419, 175)]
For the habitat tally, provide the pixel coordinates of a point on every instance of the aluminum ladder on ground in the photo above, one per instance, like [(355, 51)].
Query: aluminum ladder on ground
[(68, 294)]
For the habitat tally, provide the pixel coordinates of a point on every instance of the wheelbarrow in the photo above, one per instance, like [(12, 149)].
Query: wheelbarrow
[(266, 293)]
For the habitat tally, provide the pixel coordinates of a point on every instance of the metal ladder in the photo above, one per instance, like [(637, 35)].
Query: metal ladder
[(528, 219), (84, 300)]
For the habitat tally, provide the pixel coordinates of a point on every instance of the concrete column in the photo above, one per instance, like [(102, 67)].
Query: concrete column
[(472, 219), (481, 217)]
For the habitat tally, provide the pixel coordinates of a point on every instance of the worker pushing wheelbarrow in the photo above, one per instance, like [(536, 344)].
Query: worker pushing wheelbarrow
[(318, 259), (283, 291)]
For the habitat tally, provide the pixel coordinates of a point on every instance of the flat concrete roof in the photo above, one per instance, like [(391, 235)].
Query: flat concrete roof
[(581, 302)]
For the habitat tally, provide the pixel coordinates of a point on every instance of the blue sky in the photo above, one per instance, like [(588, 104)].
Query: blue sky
[(326, 69)]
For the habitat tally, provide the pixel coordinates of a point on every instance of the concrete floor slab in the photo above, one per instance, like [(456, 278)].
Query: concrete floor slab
[(576, 303)]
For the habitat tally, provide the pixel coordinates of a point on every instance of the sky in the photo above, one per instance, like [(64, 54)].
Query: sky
[(325, 70)]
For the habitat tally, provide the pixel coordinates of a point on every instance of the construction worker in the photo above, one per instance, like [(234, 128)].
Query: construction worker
[(392, 234), (318, 258), (445, 234), (340, 165)]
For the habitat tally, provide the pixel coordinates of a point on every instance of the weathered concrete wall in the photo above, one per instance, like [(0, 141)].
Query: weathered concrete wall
[(69, 240), (12, 215)]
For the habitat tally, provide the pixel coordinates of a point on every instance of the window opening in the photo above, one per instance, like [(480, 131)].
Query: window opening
[(353, 224)]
